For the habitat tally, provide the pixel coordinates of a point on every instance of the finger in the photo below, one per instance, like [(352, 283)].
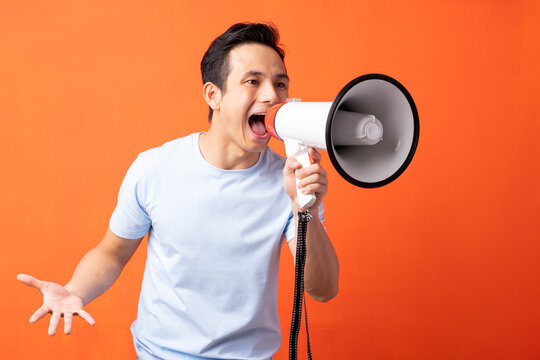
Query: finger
[(53, 324), (86, 316), (313, 179), (291, 165), (68, 322), (41, 312), (317, 189), (315, 155), (310, 170), (32, 281)]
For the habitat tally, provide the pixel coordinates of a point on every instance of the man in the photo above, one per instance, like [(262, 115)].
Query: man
[(216, 213)]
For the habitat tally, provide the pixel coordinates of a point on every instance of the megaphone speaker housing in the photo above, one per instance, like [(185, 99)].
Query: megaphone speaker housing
[(370, 130), (374, 165)]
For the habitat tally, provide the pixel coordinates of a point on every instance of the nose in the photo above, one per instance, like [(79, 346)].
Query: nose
[(269, 94)]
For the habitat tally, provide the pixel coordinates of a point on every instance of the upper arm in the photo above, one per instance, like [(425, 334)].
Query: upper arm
[(119, 247)]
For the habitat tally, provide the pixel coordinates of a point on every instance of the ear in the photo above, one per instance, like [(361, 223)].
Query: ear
[(212, 95)]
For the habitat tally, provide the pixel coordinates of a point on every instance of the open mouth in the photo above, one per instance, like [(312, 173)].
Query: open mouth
[(256, 123)]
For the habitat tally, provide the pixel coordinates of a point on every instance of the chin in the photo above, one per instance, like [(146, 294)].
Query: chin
[(254, 143)]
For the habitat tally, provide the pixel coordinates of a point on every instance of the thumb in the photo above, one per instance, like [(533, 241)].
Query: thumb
[(31, 281), (290, 166)]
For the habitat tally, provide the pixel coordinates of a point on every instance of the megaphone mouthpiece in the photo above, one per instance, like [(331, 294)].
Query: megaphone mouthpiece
[(354, 128)]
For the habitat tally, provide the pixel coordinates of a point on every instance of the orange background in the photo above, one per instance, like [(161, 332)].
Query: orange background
[(444, 263)]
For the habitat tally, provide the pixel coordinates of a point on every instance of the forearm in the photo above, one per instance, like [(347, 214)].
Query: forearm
[(321, 272), (321, 269), (95, 273)]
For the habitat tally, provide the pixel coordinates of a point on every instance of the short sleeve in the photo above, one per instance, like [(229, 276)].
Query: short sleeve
[(130, 219), (290, 229)]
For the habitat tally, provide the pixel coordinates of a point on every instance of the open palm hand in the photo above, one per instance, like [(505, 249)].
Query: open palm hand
[(59, 302)]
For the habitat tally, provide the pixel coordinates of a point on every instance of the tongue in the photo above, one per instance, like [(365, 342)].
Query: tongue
[(257, 126)]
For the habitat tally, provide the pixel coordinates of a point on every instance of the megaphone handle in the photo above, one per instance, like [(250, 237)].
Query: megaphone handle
[(300, 153)]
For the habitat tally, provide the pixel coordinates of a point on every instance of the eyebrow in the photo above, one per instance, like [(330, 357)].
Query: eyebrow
[(259, 73)]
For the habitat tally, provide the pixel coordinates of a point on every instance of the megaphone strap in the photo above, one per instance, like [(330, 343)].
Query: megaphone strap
[(303, 218)]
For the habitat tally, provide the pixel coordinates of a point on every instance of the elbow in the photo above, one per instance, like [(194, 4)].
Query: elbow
[(323, 287), (324, 297)]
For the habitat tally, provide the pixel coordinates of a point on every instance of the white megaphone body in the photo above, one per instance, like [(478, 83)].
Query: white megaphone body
[(370, 131)]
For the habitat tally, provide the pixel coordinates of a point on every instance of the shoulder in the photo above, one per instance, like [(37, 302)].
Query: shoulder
[(154, 160), (166, 150)]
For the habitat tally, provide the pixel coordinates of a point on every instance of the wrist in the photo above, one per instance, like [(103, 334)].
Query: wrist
[(313, 210), (73, 292)]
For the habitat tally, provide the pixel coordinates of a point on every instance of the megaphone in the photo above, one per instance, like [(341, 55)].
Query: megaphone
[(370, 131)]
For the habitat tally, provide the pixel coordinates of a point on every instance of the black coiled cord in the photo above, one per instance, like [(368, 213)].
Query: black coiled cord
[(303, 218)]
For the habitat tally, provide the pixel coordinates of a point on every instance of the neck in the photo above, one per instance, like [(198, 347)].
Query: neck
[(224, 154)]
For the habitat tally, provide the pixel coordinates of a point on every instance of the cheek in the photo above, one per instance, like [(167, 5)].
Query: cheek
[(237, 106), (284, 95)]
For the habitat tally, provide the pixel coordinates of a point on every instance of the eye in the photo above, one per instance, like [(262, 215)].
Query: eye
[(253, 82), (281, 85)]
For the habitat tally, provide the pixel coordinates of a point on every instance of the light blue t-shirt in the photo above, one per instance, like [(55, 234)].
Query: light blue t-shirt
[(210, 283)]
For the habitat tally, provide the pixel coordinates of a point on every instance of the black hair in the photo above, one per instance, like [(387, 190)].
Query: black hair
[(215, 62)]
